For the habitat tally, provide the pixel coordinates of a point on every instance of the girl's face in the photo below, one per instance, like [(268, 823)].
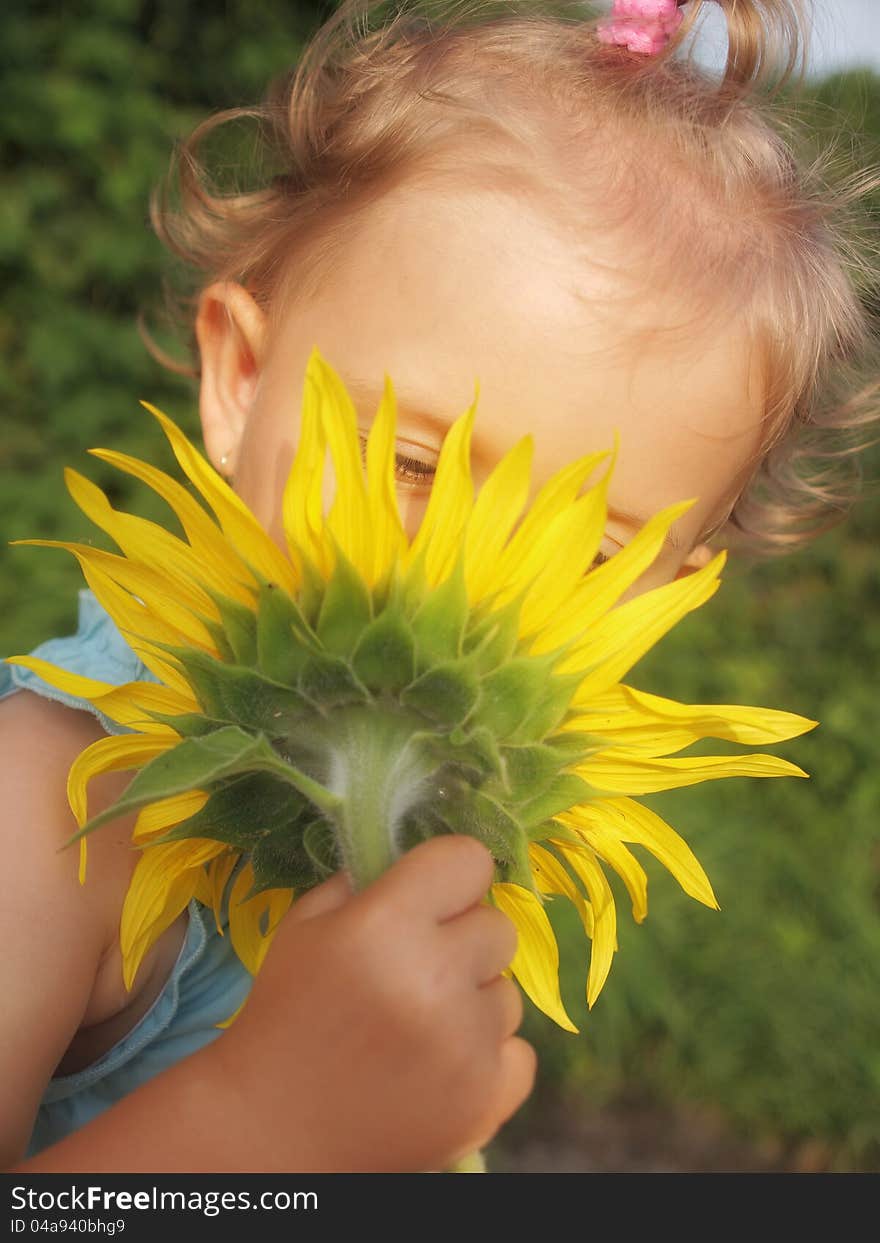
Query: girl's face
[(440, 289)]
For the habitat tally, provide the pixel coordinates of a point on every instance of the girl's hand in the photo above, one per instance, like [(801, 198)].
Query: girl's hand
[(379, 1034)]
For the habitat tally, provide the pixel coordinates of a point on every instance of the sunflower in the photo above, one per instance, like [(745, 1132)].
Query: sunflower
[(333, 703)]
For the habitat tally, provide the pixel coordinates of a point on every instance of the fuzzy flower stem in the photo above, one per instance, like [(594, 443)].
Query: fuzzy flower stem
[(378, 772)]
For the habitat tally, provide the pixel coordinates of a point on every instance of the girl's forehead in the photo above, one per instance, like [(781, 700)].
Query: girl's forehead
[(480, 283), (444, 290), (479, 276)]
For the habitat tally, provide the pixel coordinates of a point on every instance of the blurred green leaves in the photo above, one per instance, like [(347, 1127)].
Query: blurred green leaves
[(94, 95)]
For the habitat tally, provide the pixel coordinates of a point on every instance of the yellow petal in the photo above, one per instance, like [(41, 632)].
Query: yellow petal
[(150, 545), (115, 753), (126, 705), (139, 627), (600, 590), (162, 885), (247, 915), (565, 558), (750, 726), (620, 773), (536, 962), (389, 539), (206, 540), (449, 506), (175, 602), (219, 872), (637, 722), (303, 503), (250, 541), (174, 606), (233, 1016), (611, 850), (349, 517), (551, 878), (553, 499), (112, 754), (614, 644), (499, 504), (583, 863), (632, 822), (166, 812)]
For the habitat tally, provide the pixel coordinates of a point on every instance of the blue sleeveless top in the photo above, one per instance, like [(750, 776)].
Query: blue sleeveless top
[(208, 981)]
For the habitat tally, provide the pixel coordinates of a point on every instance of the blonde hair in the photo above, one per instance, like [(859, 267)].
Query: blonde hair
[(705, 175)]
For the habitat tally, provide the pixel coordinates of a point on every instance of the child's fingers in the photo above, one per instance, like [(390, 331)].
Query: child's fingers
[(441, 877), (519, 1064), (516, 1078), (327, 896), (482, 941), (506, 1005)]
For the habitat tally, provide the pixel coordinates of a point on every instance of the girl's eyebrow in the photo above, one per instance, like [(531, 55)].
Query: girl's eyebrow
[(408, 402), (416, 408)]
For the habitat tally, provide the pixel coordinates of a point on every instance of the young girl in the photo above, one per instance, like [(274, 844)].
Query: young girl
[(615, 244)]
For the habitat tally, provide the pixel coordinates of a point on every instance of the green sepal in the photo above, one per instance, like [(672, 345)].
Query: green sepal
[(477, 815), (328, 682), (345, 610), (510, 695), (384, 658), (411, 587), (558, 832), (563, 792), (188, 724), (493, 639), (445, 694), (197, 763), (221, 642), (527, 769), (573, 745), (242, 812), (240, 627), (439, 622), (311, 591), (483, 744), (284, 638), (282, 862), (550, 707), (474, 756), (319, 842), (388, 592), (241, 696)]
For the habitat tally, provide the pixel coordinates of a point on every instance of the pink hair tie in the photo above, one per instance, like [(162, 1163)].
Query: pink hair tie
[(644, 26)]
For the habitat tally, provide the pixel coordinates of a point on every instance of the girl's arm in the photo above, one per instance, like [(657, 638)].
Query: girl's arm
[(53, 930)]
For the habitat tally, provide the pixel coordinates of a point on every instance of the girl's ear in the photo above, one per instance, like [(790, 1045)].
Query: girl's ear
[(699, 555), (231, 332)]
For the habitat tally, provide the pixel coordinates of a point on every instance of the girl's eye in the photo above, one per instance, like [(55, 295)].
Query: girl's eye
[(409, 469), (420, 472), (413, 470)]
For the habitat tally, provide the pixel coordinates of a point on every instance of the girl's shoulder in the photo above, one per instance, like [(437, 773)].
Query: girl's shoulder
[(58, 935), (39, 740)]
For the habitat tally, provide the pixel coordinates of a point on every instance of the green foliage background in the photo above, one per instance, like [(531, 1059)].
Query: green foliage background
[(766, 1012)]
